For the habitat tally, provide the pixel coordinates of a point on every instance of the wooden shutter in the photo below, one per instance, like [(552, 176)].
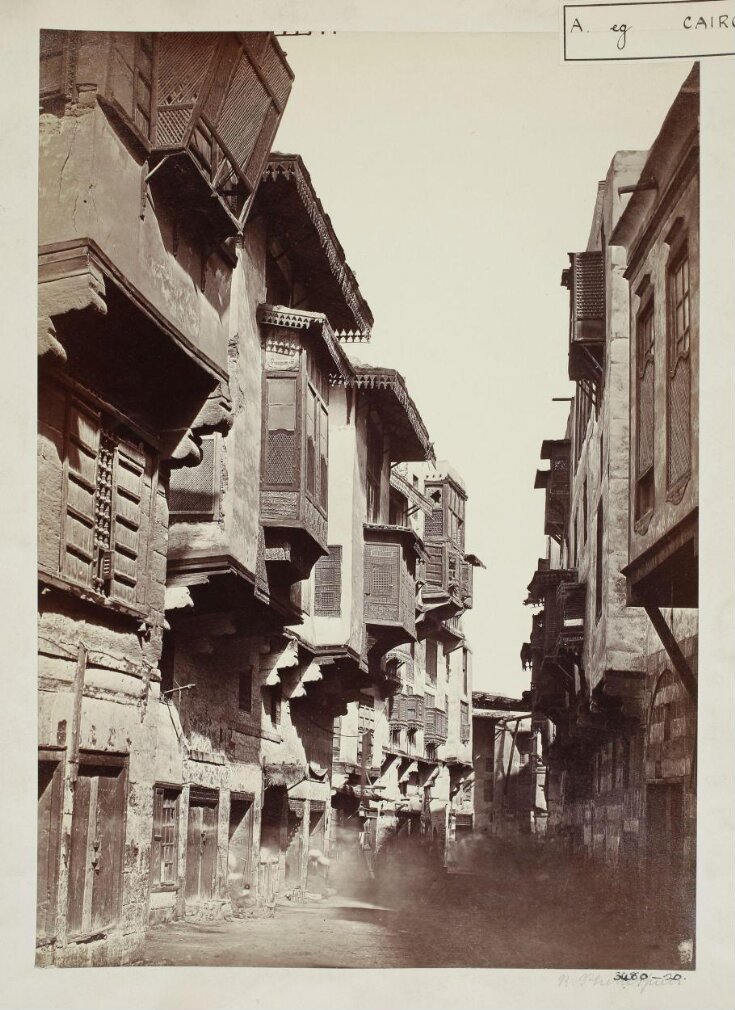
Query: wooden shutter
[(435, 575), (434, 522), (679, 371), (280, 468), (466, 579), (79, 542), (194, 491), (183, 62), (382, 580), (121, 81), (429, 718), (156, 878), (323, 457), (54, 62), (130, 494), (328, 584), (431, 659), (645, 350), (588, 289), (312, 440)]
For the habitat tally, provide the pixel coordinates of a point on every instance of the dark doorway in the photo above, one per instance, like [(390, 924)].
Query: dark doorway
[(201, 845), (97, 840)]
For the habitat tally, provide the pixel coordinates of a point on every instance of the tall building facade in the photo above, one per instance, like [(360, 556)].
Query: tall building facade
[(232, 546), (613, 647)]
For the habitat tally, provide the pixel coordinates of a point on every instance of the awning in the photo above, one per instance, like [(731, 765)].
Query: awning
[(283, 774)]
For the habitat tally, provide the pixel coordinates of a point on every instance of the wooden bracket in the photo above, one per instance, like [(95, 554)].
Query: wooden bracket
[(676, 656)]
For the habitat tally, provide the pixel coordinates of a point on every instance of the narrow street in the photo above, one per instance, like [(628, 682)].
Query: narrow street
[(500, 909)]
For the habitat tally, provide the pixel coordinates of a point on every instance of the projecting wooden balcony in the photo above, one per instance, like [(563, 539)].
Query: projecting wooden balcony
[(585, 279), (406, 711), (555, 482), (436, 726), (390, 554)]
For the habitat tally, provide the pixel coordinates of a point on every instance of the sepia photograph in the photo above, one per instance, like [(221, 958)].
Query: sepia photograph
[(368, 501)]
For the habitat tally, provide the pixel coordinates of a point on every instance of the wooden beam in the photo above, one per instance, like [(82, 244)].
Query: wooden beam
[(676, 656)]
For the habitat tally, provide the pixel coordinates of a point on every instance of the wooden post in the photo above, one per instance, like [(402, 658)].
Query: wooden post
[(76, 723)]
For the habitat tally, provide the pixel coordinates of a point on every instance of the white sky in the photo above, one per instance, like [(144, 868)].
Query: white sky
[(458, 171)]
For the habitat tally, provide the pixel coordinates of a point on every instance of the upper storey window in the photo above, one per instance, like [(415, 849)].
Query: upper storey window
[(679, 368), (645, 372), (204, 105), (374, 470), (106, 500)]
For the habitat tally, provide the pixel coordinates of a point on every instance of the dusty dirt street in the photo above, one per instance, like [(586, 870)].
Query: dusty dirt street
[(502, 909)]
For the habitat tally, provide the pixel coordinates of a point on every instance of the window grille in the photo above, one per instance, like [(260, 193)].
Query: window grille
[(108, 482), (194, 492), (328, 584), (280, 445), (164, 849)]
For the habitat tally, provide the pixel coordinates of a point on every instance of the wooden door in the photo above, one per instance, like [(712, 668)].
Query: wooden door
[(201, 847), (47, 863), (239, 856), (97, 841)]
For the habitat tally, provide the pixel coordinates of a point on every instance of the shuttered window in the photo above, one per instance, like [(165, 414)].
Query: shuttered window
[(464, 722), (645, 370), (194, 491), (374, 471), (431, 658), (281, 465), (328, 584), (679, 370), (365, 727), (54, 62), (382, 581), (107, 497), (164, 861), (434, 522), (131, 77)]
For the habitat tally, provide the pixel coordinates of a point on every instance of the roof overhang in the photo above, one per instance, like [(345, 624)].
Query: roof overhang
[(678, 131), (286, 196), (389, 395)]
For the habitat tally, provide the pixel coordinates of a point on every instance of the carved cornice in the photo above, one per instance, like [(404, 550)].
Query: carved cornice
[(283, 318), (366, 377), (291, 168)]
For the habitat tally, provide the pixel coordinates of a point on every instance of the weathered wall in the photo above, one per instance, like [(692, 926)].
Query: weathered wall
[(614, 640), (120, 686), (90, 182), (237, 529)]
